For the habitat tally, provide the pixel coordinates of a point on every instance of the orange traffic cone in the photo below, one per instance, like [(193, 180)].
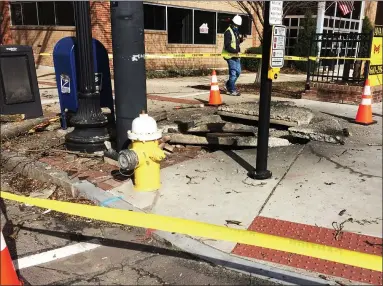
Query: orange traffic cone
[(215, 94), (364, 115), (8, 274)]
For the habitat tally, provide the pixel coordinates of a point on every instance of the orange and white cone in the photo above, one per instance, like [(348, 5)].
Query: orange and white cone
[(215, 95), (8, 275), (364, 114)]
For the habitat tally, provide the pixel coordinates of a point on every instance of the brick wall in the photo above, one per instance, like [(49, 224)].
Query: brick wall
[(337, 93), (43, 39), (5, 33)]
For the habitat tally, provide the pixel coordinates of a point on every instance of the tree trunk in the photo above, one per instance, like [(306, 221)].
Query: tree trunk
[(11, 130), (258, 76)]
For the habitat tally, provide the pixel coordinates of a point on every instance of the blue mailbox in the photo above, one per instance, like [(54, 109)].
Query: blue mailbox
[(64, 58)]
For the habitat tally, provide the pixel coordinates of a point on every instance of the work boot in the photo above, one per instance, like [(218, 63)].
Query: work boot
[(226, 90), (235, 93)]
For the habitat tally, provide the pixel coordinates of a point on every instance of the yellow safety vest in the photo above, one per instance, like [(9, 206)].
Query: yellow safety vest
[(233, 44)]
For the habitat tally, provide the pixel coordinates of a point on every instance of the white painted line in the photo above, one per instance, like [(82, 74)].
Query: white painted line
[(191, 94), (54, 254)]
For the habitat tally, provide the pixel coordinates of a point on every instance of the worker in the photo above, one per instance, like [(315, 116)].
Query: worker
[(232, 40)]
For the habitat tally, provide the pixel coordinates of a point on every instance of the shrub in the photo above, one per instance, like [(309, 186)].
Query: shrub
[(302, 47), (251, 64), (366, 25)]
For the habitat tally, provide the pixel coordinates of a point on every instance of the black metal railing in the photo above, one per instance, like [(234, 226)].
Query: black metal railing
[(342, 58)]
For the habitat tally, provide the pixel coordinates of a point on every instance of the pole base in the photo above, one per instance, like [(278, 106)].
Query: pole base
[(87, 140), (262, 175)]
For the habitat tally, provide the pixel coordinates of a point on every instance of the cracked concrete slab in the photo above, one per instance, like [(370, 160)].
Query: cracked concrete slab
[(281, 112), (320, 129)]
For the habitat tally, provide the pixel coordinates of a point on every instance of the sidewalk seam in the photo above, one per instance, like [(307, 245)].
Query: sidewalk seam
[(280, 181)]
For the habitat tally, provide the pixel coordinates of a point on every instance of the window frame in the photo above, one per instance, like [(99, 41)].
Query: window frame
[(166, 16), (232, 13), (37, 15)]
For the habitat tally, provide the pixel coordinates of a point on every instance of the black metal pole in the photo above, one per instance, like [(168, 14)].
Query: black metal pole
[(89, 122), (127, 18), (261, 171)]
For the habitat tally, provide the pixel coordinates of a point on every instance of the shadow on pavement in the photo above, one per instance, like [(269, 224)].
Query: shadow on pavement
[(175, 253), (240, 161)]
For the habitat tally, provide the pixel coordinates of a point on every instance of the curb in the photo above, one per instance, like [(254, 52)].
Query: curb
[(38, 171)]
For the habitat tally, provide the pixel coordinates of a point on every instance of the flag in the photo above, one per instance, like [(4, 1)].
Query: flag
[(346, 6)]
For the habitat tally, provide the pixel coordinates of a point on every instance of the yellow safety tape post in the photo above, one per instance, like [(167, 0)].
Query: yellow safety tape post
[(201, 229)]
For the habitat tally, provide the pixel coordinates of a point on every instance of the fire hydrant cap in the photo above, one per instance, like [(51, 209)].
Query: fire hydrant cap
[(144, 128)]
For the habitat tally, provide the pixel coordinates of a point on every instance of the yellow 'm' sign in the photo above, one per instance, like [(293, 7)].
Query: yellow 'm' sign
[(376, 65)]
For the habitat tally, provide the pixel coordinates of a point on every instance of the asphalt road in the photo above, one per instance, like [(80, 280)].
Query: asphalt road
[(100, 253)]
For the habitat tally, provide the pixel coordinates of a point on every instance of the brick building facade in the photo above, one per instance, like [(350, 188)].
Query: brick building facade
[(157, 40), (42, 24)]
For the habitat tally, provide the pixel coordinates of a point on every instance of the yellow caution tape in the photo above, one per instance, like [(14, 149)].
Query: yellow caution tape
[(201, 229), (219, 55)]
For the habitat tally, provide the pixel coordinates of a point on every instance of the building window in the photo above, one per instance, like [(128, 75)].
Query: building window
[(224, 20), (46, 13), (154, 17), (201, 18), (180, 26), (42, 13), (64, 11)]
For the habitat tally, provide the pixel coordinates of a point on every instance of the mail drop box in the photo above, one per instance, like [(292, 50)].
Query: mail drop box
[(66, 69)]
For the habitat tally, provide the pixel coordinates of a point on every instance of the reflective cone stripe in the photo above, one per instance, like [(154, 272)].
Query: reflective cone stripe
[(367, 90), (366, 101), (8, 274), (364, 114), (215, 94)]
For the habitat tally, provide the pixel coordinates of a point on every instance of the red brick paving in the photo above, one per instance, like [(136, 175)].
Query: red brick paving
[(320, 235), (102, 178)]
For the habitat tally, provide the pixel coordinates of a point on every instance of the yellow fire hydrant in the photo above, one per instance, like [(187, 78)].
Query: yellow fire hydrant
[(144, 155)]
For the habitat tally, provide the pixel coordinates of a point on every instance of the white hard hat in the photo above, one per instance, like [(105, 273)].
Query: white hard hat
[(237, 20)]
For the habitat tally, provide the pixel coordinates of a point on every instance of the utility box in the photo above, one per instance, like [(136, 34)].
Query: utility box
[(64, 58), (19, 91)]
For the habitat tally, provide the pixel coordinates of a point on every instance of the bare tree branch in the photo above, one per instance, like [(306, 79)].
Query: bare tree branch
[(254, 9)]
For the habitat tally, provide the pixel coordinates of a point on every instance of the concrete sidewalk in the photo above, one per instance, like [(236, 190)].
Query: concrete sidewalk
[(323, 193), (183, 88)]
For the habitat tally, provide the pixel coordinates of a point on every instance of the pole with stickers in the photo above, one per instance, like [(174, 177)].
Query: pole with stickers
[(274, 34)]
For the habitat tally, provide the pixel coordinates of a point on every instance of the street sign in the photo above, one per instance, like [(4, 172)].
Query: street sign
[(278, 39), (276, 12)]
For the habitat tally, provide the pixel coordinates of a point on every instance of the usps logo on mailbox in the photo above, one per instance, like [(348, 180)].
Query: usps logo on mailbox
[(98, 81), (204, 29), (65, 83)]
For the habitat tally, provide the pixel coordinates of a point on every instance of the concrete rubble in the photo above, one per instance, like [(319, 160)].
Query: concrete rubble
[(229, 140), (235, 126), (320, 129), (281, 113)]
